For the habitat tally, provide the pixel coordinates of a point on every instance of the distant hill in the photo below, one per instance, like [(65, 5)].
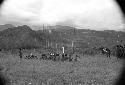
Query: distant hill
[(86, 37), (6, 26), (16, 37), (58, 36)]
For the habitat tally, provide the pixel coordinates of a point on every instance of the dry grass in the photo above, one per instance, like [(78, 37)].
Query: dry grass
[(89, 70)]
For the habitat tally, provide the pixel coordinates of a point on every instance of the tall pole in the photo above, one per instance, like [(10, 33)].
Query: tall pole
[(63, 50), (118, 41), (51, 44), (56, 45), (73, 40), (48, 43), (73, 46)]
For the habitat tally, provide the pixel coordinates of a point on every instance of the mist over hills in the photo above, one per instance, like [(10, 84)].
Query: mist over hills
[(3, 27), (57, 36)]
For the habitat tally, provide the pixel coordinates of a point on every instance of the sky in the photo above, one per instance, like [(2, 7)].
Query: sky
[(83, 14)]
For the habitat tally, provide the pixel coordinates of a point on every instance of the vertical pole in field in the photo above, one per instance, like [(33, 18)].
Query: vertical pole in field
[(63, 50), (56, 45), (51, 44), (73, 46), (73, 41), (45, 37), (118, 39), (48, 43)]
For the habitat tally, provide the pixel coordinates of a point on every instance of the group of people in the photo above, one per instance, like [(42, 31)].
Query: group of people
[(51, 56), (119, 51), (59, 57), (105, 50)]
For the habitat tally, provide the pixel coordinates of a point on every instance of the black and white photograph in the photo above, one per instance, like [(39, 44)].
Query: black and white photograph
[(62, 42)]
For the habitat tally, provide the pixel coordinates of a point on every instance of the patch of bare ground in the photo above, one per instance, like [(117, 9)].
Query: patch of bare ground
[(89, 70)]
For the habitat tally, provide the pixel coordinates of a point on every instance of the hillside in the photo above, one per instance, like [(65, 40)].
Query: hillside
[(58, 36), (16, 37), (91, 37)]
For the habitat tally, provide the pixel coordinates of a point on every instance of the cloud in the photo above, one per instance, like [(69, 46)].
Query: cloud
[(93, 14)]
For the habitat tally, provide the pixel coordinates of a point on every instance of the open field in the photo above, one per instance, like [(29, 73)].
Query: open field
[(89, 70)]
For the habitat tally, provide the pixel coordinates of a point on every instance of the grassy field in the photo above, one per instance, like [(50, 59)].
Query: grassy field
[(89, 70)]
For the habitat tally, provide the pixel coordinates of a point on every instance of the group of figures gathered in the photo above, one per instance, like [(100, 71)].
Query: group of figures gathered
[(52, 56), (119, 53)]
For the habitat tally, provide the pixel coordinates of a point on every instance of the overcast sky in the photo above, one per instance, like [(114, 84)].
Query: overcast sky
[(92, 14)]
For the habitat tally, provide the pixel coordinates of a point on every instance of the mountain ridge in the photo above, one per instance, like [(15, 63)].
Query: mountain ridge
[(5, 26), (23, 36)]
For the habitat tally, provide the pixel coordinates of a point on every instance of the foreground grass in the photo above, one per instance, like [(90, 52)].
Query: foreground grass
[(89, 70)]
